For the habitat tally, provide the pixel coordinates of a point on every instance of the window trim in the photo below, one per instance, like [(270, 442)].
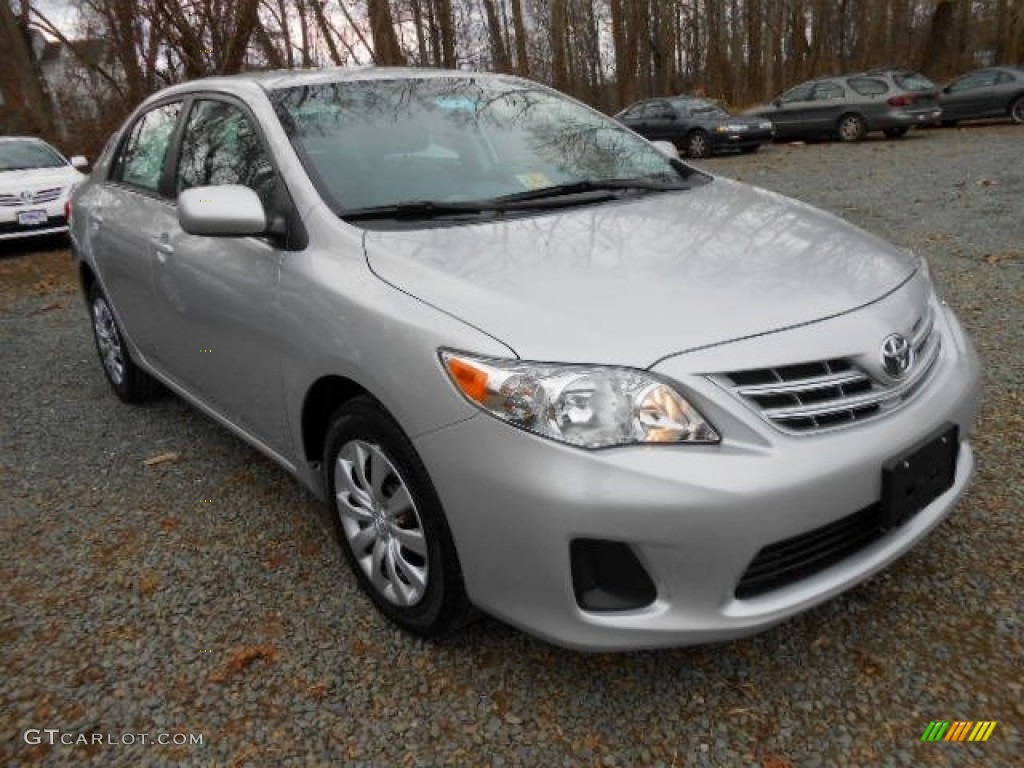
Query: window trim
[(161, 191)]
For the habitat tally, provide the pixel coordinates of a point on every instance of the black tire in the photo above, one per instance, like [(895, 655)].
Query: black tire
[(697, 144), (129, 382), (1017, 110), (895, 133), (851, 127), (750, 150), (443, 606)]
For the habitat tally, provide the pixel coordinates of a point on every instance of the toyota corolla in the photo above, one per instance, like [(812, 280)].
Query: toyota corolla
[(535, 365)]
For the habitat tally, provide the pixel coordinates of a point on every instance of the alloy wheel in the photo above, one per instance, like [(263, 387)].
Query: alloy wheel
[(108, 339), (1017, 111), (381, 523), (851, 128)]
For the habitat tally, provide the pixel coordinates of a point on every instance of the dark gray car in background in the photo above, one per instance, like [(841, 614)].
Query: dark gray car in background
[(849, 107), (697, 126), (990, 92)]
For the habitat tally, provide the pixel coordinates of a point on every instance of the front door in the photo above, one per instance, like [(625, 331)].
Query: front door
[(216, 298)]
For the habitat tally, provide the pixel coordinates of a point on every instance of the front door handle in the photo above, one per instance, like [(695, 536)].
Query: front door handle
[(163, 247)]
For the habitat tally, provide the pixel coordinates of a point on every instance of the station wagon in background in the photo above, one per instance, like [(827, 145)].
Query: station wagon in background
[(984, 93), (851, 106), (35, 183), (534, 366)]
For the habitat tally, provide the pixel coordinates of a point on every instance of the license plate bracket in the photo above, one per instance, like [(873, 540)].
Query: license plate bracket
[(32, 218), (918, 476)]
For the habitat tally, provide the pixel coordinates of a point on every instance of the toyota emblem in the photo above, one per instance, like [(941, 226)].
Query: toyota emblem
[(897, 355), (26, 196)]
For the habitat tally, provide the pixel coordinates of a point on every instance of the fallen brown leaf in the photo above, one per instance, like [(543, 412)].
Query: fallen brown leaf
[(241, 658), (162, 458)]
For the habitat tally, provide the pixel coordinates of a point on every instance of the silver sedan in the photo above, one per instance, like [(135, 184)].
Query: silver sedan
[(536, 366)]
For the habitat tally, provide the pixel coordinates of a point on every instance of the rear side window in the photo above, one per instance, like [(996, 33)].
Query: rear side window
[(913, 81), (220, 146), (142, 158), (868, 86), (828, 91)]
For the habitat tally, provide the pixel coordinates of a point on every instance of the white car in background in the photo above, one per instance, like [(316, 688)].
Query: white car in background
[(35, 183)]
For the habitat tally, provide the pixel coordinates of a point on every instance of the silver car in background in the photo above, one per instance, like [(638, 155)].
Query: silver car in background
[(535, 366)]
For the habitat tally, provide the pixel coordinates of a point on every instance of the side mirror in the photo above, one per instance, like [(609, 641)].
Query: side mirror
[(79, 162), (667, 148), (776, 102), (230, 210)]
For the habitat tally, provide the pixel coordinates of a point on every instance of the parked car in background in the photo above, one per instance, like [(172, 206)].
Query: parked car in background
[(35, 182), (531, 363), (697, 126), (989, 92), (851, 106)]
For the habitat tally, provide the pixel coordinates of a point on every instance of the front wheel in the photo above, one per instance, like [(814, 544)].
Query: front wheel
[(895, 133), (129, 382), (1017, 111), (390, 523), (698, 144), (851, 128)]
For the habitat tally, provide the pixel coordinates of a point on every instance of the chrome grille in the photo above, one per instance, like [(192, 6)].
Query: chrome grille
[(819, 395), (37, 197)]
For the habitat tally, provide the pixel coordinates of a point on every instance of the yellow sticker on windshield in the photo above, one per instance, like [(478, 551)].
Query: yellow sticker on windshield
[(534, 180)]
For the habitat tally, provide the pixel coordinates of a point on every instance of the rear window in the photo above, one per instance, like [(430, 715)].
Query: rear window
[(868, 86), (913, 81)]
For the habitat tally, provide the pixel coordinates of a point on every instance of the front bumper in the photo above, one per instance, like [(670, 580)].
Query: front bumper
[(694, 516), (56, 223), (740, 139)]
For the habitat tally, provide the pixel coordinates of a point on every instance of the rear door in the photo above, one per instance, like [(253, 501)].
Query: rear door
[(216, 298), (829, 101), (660, 121), (121, 220)]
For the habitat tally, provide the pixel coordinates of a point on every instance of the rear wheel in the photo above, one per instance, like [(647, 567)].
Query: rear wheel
[(390, 522), (698, 144), (129, 382), (1017, 110), (851, 127), (896, 133)]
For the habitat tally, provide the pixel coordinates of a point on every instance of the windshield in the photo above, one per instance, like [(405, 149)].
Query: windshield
[(371, 143), (701, 108), (22, 155)]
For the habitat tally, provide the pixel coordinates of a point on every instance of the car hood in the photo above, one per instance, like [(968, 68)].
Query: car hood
[(38, 178), (630, 282)]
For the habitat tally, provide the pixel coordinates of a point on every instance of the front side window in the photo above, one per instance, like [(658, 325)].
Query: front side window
[(26, 154), (220, 146), (142, 158), (800, 93), (454, 139)]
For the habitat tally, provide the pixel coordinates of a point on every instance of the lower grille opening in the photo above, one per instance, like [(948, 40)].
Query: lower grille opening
[(608, 576), (790, 560)]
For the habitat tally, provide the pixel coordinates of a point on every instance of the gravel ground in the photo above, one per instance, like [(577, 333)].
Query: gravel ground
[(205, 596)]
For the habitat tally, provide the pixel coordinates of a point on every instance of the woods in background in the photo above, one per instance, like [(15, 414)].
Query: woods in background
[(605, 52)]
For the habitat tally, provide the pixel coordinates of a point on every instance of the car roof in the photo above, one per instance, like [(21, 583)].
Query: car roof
[(287, 78)]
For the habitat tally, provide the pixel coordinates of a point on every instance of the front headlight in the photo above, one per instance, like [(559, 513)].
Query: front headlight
[(587, 406)]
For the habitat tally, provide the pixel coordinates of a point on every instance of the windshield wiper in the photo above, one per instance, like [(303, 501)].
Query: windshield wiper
[(587, 185), (417, 209)]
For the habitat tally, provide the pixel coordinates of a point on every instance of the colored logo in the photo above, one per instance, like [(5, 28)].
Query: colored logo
[(958, 730)]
